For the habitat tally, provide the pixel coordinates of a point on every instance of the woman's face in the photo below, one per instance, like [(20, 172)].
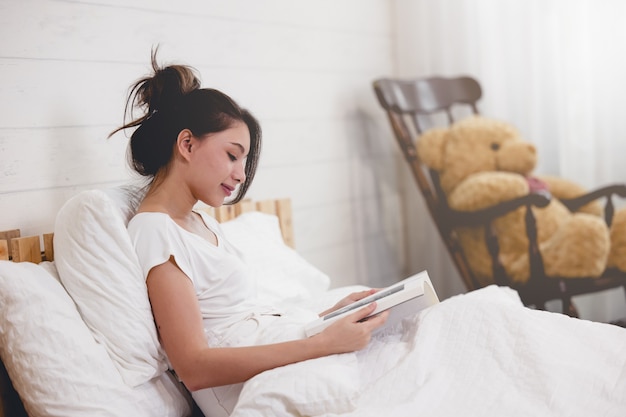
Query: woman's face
[(217, 164)]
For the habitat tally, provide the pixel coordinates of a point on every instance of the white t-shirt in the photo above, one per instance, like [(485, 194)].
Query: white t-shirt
[(221, 280)]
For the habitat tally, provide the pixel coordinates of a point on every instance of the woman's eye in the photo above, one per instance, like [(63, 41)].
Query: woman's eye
[(495, 146), (232, 157)]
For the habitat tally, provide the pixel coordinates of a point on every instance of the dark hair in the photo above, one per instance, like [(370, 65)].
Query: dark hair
[(172, 100)]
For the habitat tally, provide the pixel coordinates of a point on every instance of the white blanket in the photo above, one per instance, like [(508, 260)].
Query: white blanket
[(479, 354)]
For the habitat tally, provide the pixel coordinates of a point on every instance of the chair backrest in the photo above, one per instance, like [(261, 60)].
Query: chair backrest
[(413, 106)]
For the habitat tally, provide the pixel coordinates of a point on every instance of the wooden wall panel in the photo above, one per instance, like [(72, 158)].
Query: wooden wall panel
[(303, 68)]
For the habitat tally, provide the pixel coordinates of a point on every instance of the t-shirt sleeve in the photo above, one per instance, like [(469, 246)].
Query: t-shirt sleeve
[(155, 242)]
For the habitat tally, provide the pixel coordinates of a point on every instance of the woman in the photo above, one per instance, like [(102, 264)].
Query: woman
[(198, 145)]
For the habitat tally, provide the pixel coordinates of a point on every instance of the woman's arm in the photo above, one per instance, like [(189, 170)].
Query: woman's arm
[(179, 322)]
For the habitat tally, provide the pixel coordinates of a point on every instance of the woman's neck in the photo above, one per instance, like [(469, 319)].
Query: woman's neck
[(176, 201), (170, 197)]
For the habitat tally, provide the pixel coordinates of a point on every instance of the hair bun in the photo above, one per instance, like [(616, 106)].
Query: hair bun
[(168, 85), (160, 92)]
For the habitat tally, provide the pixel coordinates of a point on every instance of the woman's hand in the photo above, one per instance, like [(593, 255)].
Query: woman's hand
[(355, 296), (354, 331)]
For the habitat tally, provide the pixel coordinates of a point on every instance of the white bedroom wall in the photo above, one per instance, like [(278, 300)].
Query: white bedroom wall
[(304, 68)]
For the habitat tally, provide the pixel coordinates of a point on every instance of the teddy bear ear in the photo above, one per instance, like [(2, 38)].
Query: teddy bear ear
[(430, 147)]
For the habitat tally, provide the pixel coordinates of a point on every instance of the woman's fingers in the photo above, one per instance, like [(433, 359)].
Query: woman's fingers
[(376, 320), (362, 294), (363, 314), (354, 331)]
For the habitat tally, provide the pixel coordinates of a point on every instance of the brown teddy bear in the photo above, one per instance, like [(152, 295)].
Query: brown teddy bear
[(482, 162)]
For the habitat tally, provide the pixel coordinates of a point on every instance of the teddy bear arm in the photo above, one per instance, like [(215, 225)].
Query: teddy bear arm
[(561, 187), (577, 198), (487, 189)]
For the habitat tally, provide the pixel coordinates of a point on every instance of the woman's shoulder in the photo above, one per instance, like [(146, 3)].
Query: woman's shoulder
[(149, 222), (151, 217)]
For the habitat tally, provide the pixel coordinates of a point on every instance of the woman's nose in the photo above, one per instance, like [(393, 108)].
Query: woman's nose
[(240, 173)]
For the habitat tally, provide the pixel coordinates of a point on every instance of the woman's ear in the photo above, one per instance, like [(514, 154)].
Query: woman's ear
[(184, 143)]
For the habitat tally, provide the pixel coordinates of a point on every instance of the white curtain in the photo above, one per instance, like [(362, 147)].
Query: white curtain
[(554, 68)]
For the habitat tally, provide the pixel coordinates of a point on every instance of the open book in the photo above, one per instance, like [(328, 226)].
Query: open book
[(404, 298)]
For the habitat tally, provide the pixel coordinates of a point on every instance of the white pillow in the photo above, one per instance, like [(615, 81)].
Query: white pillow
[(99, 269), (52, 358), (282, 275), (54, 362)]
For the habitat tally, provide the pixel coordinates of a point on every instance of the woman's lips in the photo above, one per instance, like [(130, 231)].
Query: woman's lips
[(228, 189)]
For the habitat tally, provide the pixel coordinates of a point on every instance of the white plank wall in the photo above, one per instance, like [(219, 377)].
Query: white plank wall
[(304, 68)]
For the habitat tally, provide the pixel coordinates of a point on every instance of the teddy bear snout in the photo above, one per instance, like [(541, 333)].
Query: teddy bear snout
[(517, 156)]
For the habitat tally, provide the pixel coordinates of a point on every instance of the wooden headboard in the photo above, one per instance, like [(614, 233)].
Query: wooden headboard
[(36, 249)]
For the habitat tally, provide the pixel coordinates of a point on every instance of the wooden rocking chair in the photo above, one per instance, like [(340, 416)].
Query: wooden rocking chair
[(411, 106)]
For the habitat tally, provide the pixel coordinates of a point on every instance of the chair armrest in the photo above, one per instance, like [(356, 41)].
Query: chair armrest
[(573, 204)]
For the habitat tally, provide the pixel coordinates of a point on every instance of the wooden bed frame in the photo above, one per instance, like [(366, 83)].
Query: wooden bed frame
[(36, 249)]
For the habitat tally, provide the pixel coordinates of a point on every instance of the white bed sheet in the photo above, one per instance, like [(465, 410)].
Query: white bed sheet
[(479, 354)]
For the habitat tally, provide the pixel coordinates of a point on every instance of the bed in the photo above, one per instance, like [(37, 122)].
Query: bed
[(478, 354)]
